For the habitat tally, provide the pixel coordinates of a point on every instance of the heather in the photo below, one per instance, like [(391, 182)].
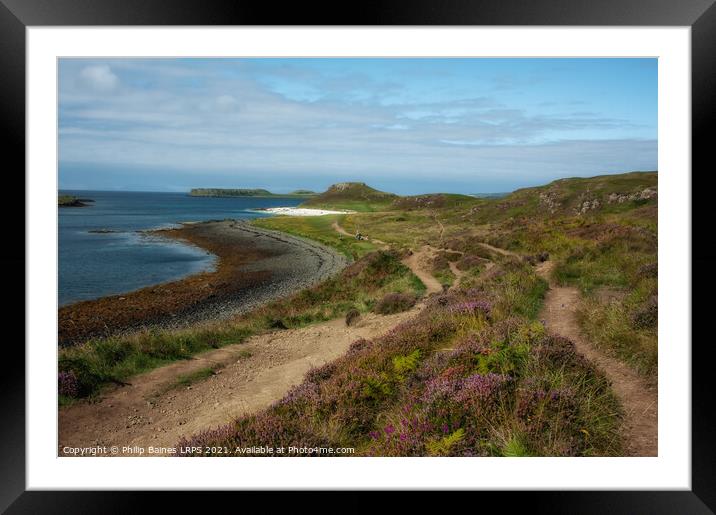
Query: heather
[(85, 368), (626, 326), (473, 374), (395, 303), (617, 274)]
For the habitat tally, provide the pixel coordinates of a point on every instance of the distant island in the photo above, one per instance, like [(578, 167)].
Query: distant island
[(246, 192), (71, 201), (489, 195)]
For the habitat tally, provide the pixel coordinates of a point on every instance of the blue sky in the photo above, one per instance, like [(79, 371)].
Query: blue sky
[(403, 125)]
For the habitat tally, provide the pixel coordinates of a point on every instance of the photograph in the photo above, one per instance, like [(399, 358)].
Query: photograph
[(415, 249), (357, 257)]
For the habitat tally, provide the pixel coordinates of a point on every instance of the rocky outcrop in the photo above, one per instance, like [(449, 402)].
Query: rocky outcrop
[(620, 198), (549, 199), (587, 205)]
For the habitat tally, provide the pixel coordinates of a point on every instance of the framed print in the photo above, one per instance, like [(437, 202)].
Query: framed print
[(424, 245)]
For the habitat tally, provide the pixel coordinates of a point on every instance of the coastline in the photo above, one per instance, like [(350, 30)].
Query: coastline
[(254, 266)]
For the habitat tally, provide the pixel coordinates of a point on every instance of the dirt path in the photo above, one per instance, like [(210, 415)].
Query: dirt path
[(457, 273), (498, 250), (153, 411), (417, 264), (341, 230), (638, 399), (336, 226)]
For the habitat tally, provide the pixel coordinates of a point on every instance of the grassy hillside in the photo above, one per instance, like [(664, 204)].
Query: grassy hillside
[(319, 228), (434, 201), (475, 373), (354, 196), (601, 232), (575, 196)]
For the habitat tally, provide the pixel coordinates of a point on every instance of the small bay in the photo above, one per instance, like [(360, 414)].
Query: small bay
[(103, 251)]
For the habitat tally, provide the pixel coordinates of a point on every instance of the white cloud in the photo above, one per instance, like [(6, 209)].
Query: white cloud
[(191, 119), (99, 77), (226, 103)]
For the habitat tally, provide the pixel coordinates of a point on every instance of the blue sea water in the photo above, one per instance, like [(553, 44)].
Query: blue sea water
[(93, 265)]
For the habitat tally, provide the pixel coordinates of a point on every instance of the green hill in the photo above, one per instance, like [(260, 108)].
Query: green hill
[(355, 196), (434, 201)]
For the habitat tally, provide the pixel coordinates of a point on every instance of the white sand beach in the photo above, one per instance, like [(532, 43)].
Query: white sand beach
[(302, 211)]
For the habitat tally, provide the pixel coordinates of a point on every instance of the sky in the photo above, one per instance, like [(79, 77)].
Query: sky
[(403, 125)]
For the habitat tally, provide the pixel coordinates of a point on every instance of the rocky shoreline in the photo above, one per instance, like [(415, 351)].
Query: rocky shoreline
[(70, 201), (255, 266)]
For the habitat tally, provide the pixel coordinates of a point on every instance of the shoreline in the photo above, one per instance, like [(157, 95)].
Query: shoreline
[(253, 267)]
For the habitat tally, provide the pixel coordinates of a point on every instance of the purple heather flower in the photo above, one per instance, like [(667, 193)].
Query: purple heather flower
[(480, 386), (472, 307), (67, 383), (389, 429)]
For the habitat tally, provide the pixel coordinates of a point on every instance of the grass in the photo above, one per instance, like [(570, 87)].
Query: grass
[(505, 388), (626, 326), (365, 206), (617, 276), (186, 380), (319, 228), (441, 268), (475, 373), (244, 354), (395, 303), (97, 363)]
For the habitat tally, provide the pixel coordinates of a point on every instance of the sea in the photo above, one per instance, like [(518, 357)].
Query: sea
[(102, 250)]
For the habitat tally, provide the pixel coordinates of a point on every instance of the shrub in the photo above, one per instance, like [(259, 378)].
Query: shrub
[(395, 303), (647, 316), (322, 373), (357, 346), (472, 307), (67, 384), (352, 316), (469, 262), (649, 271)]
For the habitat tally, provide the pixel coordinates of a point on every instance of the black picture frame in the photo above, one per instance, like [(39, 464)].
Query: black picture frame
[(700, 15)]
